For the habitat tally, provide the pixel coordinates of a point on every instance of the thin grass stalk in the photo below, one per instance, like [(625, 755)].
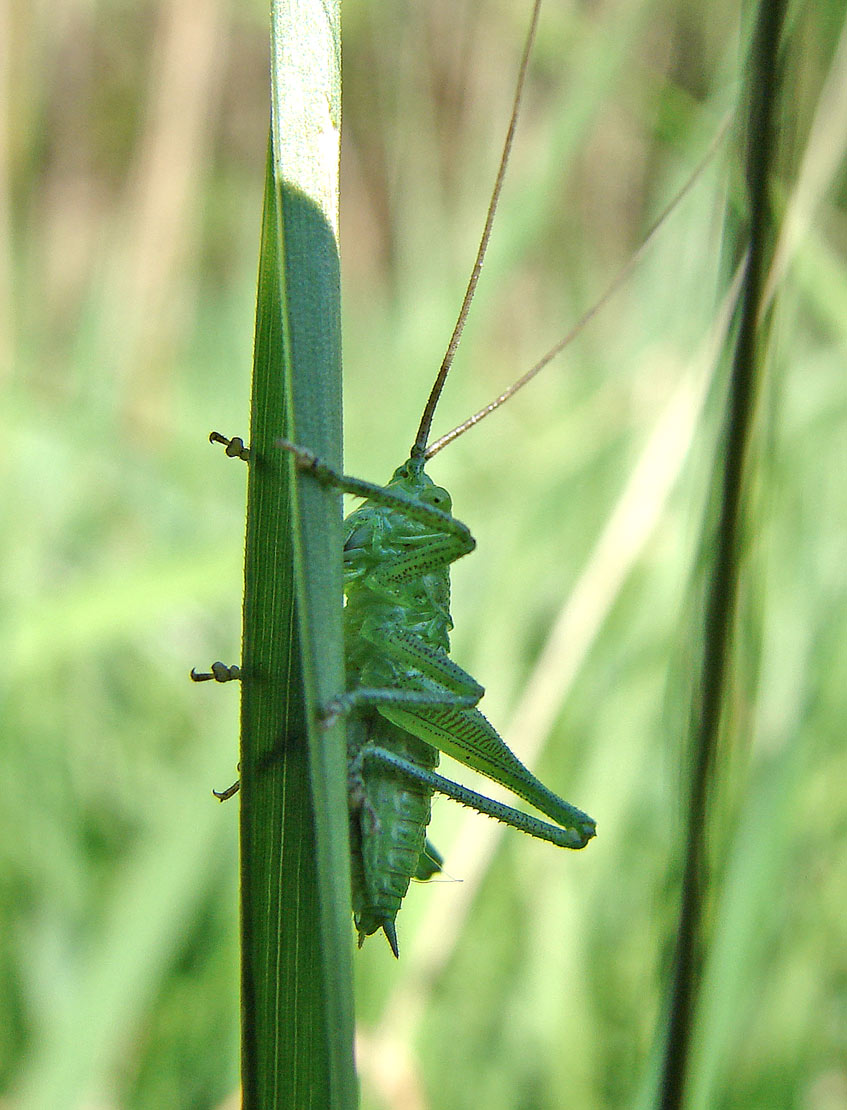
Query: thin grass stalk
[(733, 465)]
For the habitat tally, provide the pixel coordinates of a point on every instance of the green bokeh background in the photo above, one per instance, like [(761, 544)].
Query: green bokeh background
[(132, 150)]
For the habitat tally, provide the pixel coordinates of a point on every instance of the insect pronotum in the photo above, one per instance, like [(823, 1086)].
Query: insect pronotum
[(406, 700)]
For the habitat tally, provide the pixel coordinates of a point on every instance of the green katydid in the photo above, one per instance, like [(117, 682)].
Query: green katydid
[(406, 700)]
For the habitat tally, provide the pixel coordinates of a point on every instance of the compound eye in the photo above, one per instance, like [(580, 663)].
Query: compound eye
[(439, 498)]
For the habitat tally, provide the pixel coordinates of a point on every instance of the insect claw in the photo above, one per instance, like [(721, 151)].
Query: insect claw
[(230, 792), (234, 447), (218, 672)]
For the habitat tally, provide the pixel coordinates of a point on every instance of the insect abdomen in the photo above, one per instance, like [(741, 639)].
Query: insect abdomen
[(388, 831)]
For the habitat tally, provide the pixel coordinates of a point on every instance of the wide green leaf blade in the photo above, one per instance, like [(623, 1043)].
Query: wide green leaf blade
[(296, 962)]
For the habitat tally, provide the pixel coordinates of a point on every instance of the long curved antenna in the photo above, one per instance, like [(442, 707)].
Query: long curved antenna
[(612, 288), (419, 446)]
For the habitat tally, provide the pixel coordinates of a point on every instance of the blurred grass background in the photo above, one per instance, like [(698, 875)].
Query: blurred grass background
[(131, 168)]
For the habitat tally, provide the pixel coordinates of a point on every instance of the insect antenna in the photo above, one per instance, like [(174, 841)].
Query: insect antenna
[(419, 446), (612, 288)]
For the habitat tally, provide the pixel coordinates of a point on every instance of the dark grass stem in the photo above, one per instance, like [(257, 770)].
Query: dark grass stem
[(732, 466)]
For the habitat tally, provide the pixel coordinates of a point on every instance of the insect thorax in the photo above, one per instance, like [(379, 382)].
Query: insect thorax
[(383, 591)]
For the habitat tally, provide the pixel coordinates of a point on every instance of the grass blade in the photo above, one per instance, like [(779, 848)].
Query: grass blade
[(297, 1030)]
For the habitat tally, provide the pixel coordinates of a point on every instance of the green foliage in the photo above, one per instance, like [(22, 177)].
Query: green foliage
[(128, 340)]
